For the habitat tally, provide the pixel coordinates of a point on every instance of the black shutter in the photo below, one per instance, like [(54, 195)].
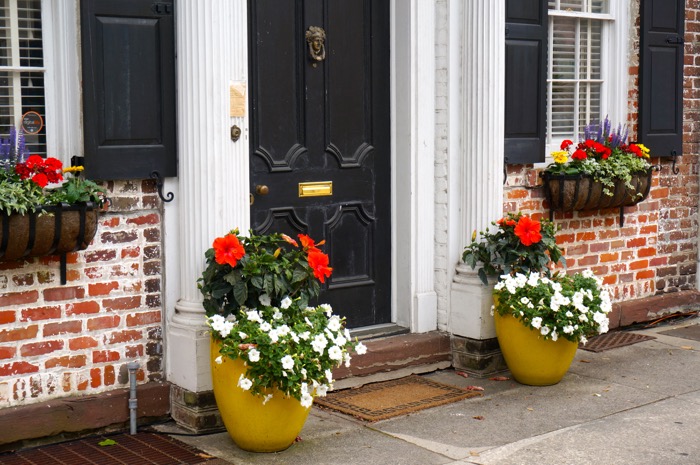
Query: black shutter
[(661, 76), (128, 88), (526, 80)]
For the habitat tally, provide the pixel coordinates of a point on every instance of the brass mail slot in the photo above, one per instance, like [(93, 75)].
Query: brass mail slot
[(315, 189)]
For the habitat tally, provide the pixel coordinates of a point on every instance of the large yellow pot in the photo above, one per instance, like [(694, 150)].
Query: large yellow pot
[(531, 358), (253, 426)]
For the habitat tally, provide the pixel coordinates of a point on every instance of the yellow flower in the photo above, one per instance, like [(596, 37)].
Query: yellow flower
[(644, 148), (73, 169), (560, 156)]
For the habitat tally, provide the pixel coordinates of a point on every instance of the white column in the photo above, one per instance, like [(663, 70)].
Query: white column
[(213, 170), (424, 311), (481, 201)]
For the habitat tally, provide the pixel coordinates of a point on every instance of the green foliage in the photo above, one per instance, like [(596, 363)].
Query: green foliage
[(76, 189), (19, 196), (270, 266), (501, 251)]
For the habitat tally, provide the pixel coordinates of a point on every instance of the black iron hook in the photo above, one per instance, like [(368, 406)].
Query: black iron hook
[(505, 169), (674, 157), (159, 184)]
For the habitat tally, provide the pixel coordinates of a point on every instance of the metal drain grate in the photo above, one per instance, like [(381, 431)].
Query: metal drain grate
[(613, 340), (139, 449)]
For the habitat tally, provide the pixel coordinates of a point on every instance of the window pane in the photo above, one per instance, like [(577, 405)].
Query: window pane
[(6, 104), (563, 48), (29, 29), (589, 104), (589, 55), (581, 6), (562, 109), (5, 44)]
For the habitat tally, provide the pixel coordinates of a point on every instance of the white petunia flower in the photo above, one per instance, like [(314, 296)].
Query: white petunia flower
[(244, 383), (253, 315), (254, 355), (274, 336), (533, 279), (360, 349), (319, 343), (305, 335), (267, 398), (321, 390), (587, 273), (334, 323), (328, 309), (335, 353), (555, 336), (544, 330), (536, 322), (306, 400), (329, 376), (287, 362), (286, 302), (219, 360), (346, 359), (242, 335), (265, 300), (499, 285), (341, 341), (277, 315), (524, 300), (265, 326)]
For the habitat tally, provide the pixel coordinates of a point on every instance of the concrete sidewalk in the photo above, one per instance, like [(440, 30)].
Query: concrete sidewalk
[(632, 405)]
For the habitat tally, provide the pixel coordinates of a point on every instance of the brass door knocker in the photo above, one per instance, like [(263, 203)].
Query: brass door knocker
[(316, 38)]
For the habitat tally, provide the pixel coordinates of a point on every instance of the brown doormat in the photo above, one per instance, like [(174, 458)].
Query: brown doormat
[(687, 332), (613, 340), (119, 449), (388, 399)]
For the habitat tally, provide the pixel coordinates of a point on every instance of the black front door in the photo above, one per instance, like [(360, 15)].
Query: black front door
[(320, 140)]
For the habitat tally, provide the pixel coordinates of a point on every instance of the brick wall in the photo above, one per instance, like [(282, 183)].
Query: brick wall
[(656, 250), (60, 340)]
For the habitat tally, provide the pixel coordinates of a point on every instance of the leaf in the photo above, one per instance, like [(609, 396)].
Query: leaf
[(500, 378), (474, 388), (462, 374), (478, 417), (240, 293), (687, 347), (107, 442)]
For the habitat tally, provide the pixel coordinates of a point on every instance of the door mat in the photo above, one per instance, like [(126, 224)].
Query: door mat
[(117, 449), (388, 399), (613, 340), (687, 332)]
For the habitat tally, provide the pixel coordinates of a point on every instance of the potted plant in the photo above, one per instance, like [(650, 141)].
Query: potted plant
[(602, 171), (540, 316), (41, 211), (271, 351)]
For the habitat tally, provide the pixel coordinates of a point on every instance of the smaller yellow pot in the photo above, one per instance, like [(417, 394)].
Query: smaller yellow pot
[(531, 358), (253, 426)]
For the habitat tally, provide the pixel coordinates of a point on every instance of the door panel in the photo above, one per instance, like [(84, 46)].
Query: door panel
[(326, 121)]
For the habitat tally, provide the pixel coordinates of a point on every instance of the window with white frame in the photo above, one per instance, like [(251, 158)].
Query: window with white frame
[(22, 68), (581, 71)]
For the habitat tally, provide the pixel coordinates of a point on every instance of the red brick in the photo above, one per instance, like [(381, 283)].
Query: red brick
[(103, 322), (26, 279), (142, 319), (40, 348), (639, 265), (588, 261), (650, 229), (17, 368), (658, 261), (119, 237), (95, 377), (131, 252), (82, 385), (11, 299), (75, 361), (7, 316), (565, 238), (83, 308), (125, 336), (102, 356), (599, 247), (609, 257), (111, 222), (7, 352), (646, 252), (100, 256), (64, 293), (110, 375), (64, 327), (645, 274), (152, 218), (610, 279), (585, 236), (637, 242), (133, 351), (19, 334), (83, 342), (122, 303), (99, 289), (41, 313)]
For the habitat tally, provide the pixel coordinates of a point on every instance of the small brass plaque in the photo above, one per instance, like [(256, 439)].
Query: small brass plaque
[(315, 189)]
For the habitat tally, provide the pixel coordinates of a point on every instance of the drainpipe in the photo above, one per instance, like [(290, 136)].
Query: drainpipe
[(133, 368)]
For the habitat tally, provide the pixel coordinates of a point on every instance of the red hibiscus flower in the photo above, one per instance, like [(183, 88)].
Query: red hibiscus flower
[(306, 241), (318, 261), (506, 222), (565, 144), (528, 231), (579, 155), (228, 250)]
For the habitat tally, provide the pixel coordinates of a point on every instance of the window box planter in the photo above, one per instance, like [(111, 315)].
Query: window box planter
[(568, 193), (52, 230)]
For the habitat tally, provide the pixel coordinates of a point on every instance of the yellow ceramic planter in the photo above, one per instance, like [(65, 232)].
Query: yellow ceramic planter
[(253, 426), (530, 358)]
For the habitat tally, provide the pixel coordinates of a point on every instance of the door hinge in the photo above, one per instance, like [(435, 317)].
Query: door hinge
[(162, 8)]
